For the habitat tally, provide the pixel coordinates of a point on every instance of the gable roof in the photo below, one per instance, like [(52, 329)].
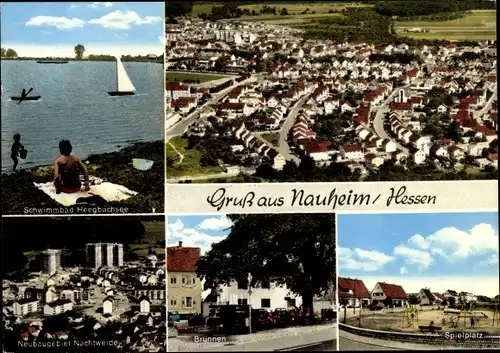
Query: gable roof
[(355, 285), (181, 259), (429, 294), (393, 290)]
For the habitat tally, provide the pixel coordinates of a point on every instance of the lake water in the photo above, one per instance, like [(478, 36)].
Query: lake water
[(75, 106)]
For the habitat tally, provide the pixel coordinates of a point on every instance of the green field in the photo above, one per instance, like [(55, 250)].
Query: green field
[(479, 25), (190, 163), (292, 8), (273, 138), (183, 76), (287, 20)]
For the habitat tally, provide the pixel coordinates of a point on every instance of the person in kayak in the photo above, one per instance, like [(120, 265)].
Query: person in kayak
[(15, 149), (67, 170)]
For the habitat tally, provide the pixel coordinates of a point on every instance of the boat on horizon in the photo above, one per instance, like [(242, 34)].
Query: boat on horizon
[(124, 86), (51, 61)]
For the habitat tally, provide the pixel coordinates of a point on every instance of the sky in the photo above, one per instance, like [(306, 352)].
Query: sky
[(54, 28), (197, 231), (440, 251)]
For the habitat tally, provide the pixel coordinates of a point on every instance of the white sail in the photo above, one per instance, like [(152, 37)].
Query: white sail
[(123, 83)]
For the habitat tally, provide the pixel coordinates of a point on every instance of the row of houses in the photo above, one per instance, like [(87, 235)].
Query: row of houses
[(353, 293)]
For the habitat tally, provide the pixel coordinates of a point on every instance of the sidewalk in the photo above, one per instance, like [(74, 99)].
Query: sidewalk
[(390, 344), (261, 341)]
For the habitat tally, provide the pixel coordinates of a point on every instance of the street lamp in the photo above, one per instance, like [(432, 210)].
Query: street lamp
[(250, 302)]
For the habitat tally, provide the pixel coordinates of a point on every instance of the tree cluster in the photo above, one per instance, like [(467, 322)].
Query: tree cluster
[(8, 53), (222, 86), (402, 58), (357, 24), (407, 8)]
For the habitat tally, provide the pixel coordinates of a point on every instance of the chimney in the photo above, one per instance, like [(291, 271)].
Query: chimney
[(180, 244)]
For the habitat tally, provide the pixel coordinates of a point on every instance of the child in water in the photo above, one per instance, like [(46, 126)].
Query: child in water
[(14, 151), (67, 170)]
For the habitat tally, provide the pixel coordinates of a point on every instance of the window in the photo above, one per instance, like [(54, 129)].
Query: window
[(265, 303), (242, 285), (242, 301), (173, 280), (173, 302), (290, 301), (188, 302), (265, 284), (183, 280)]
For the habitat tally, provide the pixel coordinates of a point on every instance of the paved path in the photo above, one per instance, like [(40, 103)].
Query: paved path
[(352, 342), (284, 148), (180, 127), (284, 339), (327, 346), (477, 114), (181, 156), (229, 174)]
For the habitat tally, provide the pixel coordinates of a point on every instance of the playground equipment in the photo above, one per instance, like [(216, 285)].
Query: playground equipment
[(410, 316)]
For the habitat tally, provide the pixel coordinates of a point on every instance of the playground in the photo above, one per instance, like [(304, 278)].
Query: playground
[(418, 320)]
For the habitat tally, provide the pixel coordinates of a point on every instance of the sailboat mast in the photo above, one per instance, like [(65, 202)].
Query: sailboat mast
[(117, 63)]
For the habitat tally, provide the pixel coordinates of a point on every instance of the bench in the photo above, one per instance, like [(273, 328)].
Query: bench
[(430, 329)]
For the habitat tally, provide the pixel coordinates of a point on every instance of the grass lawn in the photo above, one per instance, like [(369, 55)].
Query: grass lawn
[(190, 165), (182, 76), (475, 19), (19, 193), (286, 20), (273, 138)]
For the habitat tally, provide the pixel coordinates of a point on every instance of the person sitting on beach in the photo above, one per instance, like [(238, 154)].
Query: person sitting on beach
[(15, 149), (67, 170)]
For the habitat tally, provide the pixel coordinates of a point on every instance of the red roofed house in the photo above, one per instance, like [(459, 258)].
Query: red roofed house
[(354, 290), (184, 287), (384, 290)]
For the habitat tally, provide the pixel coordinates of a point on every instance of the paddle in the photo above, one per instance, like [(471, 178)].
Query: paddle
[(24, 94)]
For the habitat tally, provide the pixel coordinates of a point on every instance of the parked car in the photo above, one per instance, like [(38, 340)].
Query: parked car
[(173, 316), (284, 317)]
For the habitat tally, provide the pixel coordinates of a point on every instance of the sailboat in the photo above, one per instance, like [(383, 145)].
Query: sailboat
[(124, 87)]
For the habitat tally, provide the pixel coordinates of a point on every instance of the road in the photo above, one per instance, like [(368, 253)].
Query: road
[(284, 148), (378, 121), (180, 127), (477, 114), (229, 174), (326, 346), (346, 344)]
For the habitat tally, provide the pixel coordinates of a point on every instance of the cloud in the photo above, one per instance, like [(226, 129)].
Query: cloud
[(215, 223), (62, 23), (190, 237), (98, 5), (403, 270), (454, 242), (491, 261), (419, 241), (124, 20), (414, 256), (359, 259)]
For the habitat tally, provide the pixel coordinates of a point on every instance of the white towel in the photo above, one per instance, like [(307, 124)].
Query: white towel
[(108, 191)]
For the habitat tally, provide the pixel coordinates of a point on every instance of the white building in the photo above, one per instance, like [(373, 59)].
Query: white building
[(266, 295), (25, 306), (57, 307), (51, 261)]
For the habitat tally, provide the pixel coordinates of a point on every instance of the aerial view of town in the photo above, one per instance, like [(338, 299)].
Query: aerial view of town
[(418, 281), (270, 289), (331, 91), (84, 284)]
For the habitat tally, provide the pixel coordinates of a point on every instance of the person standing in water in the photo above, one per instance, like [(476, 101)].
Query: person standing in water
[(14, 151), (67, 170)]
